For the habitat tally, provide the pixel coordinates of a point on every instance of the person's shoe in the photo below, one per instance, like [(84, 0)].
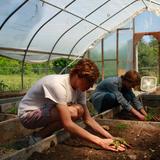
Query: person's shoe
[(33, 139)]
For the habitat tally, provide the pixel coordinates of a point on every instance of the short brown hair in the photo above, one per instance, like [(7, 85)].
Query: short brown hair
[(132, 76), (86, 69)]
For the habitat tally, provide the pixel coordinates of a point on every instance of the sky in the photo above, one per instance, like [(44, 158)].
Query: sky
[(147, 22)]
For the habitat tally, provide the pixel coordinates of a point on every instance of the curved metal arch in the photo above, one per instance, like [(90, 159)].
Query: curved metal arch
[(73, 27), (97, 27), (74, 15), (26, 50), (144, 4), (154, 2), (5, 21)]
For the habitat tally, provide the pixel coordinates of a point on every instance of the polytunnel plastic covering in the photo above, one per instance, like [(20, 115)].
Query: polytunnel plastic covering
[(42, 30)]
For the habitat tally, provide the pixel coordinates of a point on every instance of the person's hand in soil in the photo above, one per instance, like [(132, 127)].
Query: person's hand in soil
[(143, 112), (117, 141), (106, 144), (140, 116)]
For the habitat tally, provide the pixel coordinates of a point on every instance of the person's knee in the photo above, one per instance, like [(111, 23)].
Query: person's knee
[(80, 110), (109, 101), (76, 111), (110, 98)]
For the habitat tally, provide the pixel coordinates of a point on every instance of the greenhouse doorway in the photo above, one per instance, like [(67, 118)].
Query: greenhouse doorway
[(148, 54)]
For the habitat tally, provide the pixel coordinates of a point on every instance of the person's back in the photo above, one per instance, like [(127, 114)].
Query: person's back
[(108, 84)]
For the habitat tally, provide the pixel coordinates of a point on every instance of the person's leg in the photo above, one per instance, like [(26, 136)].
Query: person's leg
[(50, 119), (76, 112), (109, 101)]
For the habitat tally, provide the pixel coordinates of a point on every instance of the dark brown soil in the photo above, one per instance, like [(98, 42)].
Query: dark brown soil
[(145, 142), (17, 144)]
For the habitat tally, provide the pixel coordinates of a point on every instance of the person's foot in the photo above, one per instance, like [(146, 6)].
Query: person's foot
[(33, 139)]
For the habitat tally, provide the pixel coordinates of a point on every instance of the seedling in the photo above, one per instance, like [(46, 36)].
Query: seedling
[(152, 117), (149, 117), (118, 141), (121, 126)]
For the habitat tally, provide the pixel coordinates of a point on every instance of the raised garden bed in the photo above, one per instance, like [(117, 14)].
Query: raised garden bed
[(9, 101), (152, 99), (17, 147), (142, 136), (4, 117)]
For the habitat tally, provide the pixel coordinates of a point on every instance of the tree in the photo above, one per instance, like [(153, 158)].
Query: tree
[(147, 57)]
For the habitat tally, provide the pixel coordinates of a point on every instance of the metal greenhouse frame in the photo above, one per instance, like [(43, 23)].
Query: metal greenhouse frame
[(37, 31)]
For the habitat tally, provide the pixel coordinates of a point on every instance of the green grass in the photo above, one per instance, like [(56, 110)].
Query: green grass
[(13, 82)]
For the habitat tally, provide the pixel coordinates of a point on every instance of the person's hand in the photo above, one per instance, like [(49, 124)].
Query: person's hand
[(108, 145), (141, 117)]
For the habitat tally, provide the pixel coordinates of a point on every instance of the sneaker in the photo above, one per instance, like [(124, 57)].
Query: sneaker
[(33, 139)]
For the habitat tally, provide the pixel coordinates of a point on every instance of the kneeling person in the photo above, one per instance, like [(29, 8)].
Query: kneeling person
[(114, 91), (56, 101)]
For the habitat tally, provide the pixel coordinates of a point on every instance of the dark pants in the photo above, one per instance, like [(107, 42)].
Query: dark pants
[(109, 101)]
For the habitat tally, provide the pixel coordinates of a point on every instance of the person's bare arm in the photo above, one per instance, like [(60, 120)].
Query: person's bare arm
[(75, 129), (95, 125), (137, 114)]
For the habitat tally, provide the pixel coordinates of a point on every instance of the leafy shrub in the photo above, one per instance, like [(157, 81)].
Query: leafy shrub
[(3, 86), (61, 63)]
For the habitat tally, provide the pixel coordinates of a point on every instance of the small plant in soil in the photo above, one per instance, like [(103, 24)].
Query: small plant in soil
[(153, 115), (149, 117), (118, 141), (121, 126)]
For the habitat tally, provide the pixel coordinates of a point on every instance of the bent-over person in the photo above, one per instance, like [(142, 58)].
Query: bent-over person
[(114, 91), (57, 101)]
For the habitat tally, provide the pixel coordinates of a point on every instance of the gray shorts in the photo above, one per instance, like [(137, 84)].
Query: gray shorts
[(37, 118)]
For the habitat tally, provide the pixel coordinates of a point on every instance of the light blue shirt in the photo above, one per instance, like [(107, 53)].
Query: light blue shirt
[(113, 85)]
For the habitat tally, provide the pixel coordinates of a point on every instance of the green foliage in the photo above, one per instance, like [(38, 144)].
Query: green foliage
[(12, 110), (147, 58), (14, 81), (3, 86), (10, 67), (152, 112), (61, 63), (149, 117)]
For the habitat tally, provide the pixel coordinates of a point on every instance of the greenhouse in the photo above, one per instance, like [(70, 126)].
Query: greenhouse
[(44, 37)]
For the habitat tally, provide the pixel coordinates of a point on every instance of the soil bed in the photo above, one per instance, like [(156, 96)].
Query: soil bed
[(142, 136), (4, 117), (13, 146)]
